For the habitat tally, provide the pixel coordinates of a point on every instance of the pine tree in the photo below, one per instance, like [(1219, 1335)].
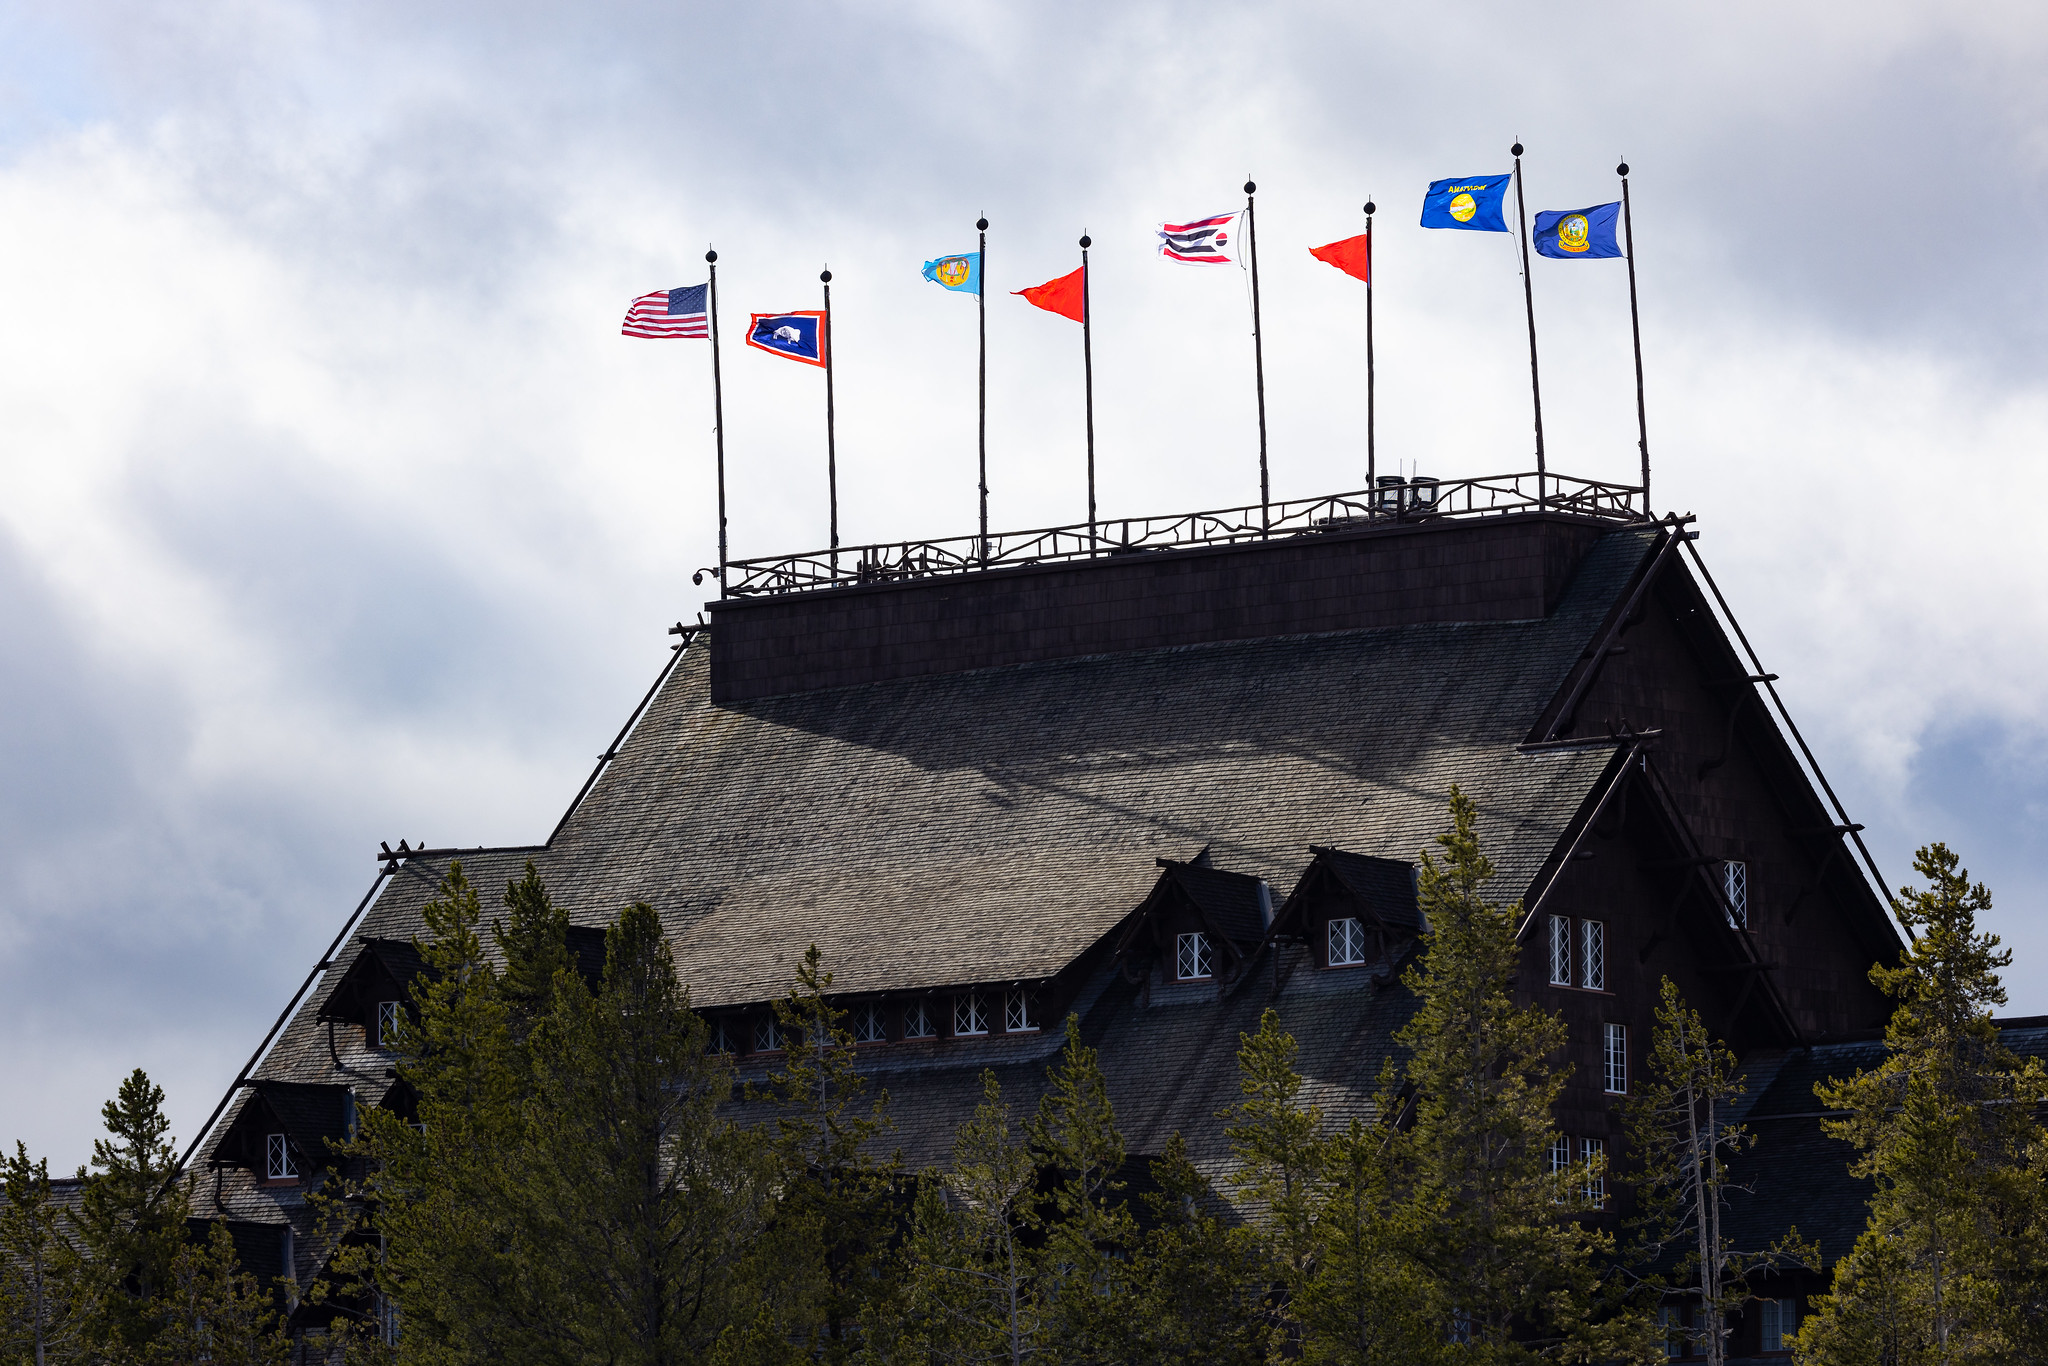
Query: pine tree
[(1364, 1303), (1199, 1280), (214, 1312), (46, 1302), (535, 945), (836, 1216), (1280, 1159), (1949, 1266), (1089, 1233), (131, 1217), (1515, 1271), (1682, 1136)]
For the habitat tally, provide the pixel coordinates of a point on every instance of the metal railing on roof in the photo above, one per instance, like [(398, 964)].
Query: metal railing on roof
[(1394, 501)]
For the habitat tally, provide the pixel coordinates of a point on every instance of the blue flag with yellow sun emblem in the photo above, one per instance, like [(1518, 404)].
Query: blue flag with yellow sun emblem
[(1472, 202), (1577, 234), (956, 272)]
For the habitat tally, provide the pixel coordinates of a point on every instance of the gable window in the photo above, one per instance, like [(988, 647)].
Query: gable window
[(1614, 1058), (868, 1026), (917, 1021), (1347, 942), (1017, 1012), (387, 1024), (277, 1159), (970, 1014), (1590, 1151), (1191, 957), (1560, 950), (721, 1036), (1593, 955), (767, 1038), (1780, 1321), (1735, 890)]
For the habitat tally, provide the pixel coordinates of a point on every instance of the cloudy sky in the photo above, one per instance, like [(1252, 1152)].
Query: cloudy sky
[(334, 509)]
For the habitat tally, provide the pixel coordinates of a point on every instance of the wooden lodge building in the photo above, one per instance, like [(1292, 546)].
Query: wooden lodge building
[(1168, 776)]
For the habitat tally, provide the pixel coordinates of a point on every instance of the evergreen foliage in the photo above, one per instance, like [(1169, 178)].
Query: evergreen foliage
[(1952, 1267), (46, 1304), (214, 1312), (130, 1226)]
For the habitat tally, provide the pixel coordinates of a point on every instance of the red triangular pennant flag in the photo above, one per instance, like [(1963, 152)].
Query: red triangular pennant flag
[(1062, 296), (1353, 255)]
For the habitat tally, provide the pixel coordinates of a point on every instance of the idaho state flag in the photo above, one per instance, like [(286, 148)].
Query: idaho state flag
[(1577, 234), (1353, 256), (1063, 296)]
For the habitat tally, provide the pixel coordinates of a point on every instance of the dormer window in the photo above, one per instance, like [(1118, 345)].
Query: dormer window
[(1347, 942), (387, 1024), (1017, 1013), (917, 1021), (970, 1014), (1589, 955), (868, 1025), (1193, 959), (767, 1038), (277, 1159)]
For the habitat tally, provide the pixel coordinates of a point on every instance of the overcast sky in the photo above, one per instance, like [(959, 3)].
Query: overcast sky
[(334, 509)]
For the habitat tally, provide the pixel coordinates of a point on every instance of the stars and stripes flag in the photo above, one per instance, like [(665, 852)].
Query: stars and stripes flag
[(1210, 241), (669, 313)]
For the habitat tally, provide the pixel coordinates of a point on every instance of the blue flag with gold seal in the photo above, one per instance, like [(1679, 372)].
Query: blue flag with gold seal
[(962, 273), (1472, 202), (1577, 234)]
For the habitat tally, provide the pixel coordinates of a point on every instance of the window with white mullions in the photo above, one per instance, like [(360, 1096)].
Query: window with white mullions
[(767, 1038), (277, 1159), (1347, 942), (868, 1025), (1560, 1161), (970, 1014), (1614, 1058), (387, 1024), (1593, 955), (1735, 890), (1017, 1012), (1780, 1324), (1560, 950), (917, 1021), (1591, 1151), (1193, 957)]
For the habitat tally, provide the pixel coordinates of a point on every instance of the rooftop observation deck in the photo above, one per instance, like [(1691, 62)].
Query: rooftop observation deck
[(1496, 548), (1395, 501)]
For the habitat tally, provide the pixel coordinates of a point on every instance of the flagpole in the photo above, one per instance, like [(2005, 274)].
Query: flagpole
[(1371, 461), (1088, 386), (831, 449), (717, 416), (981, 318), (1529, 302), (1258, 360), (1636, 330)]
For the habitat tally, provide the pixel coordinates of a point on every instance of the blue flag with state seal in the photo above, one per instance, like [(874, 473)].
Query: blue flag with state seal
[(1577, 234), (962, 273), (1472, 202)]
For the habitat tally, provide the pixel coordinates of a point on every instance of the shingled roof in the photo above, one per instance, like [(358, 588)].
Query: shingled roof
[(991, 825)]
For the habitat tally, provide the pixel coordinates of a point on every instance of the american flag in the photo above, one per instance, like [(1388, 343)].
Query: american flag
[(1204, 242), (669, 313)]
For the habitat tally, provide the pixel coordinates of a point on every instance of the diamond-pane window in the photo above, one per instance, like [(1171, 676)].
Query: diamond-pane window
[(277, 1158), (917, 1021), (1560, 950), (767, 1038), (1735, 887), (868, 1025), (1017, 1012), (721, 1036), (1347, 942), (970, 1014), (387, 1023), (1593, 955), (1192, 957)]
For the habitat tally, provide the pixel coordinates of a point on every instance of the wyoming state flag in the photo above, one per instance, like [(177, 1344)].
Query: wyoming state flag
[(1577, 234)]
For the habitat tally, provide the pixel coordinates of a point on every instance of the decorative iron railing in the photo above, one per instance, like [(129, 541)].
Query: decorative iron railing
[(1394, 501)]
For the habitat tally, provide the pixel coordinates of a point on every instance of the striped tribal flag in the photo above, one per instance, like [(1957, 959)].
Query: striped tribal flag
[(669, 313), (1207, 241)]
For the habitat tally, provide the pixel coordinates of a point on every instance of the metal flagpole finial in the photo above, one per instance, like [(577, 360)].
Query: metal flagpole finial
[(1086, 242), (1621, 170), (1251, 187), (1371, 208), (825, 276), (711, 256), (981, 223), (1516, 150)]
